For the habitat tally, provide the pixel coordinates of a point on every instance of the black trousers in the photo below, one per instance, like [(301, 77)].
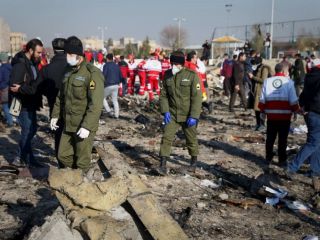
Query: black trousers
[(227, 86), (242, 96), (281, 129)]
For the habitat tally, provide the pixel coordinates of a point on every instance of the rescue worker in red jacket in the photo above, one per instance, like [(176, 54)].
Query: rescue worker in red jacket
[(153, 69), (132, 64), (191, 63), (88, 55), (124, 69), (142, 76), (165, 64), (100, 57)]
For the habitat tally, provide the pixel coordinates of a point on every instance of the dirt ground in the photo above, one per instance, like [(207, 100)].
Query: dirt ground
[(231, 156)]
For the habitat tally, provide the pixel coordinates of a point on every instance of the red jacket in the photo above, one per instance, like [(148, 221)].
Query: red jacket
[(165, 65), (124, 69), (100, 57), (88, 55), (132, 68), (141, 65), (194, 67)]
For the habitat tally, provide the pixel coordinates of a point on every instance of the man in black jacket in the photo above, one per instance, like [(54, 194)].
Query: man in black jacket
[(24, 82), (310, 103), (53, 75), (237, 82), (299, 73)]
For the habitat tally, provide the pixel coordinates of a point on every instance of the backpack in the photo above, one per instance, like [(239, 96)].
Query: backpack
[(228, 68)]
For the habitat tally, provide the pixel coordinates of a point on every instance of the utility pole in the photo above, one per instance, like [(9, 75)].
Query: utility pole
[(179, 20), (271, 29), (293, 23), (228, 9), (102, 34)]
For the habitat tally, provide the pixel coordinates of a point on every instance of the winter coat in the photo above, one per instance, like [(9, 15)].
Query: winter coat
[(264, 71), (23, 75)]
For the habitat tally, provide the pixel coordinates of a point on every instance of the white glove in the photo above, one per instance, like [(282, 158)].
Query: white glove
[(53, 124), (83, 133)]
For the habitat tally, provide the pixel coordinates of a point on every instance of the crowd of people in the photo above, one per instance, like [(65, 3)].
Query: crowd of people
[(77, 84), (277, 96)]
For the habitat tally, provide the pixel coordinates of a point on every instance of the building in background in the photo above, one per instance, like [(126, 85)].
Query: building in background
[(93, 43), (17, 41), (4, 36)]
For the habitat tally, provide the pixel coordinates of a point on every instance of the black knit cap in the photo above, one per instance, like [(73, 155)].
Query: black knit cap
[(177, 57), (73, 45), (58, 43)]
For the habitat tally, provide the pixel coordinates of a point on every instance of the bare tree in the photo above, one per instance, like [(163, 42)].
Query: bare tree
[(257, 39), (169, 37)]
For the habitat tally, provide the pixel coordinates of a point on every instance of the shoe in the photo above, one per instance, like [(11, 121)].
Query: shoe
[(261, 128), (193, 164), (18, 162), (163, 166)]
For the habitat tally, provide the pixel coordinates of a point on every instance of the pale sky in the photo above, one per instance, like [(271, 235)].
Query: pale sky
[(140, 18)]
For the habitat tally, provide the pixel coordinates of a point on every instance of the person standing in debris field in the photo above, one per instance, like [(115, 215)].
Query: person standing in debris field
[(153, 69), (123, 65), (132, 65), (262, 72), (5, 71), (237, 82), (226, 72), (142, 76), (310, 103), (112, 78), (53, 74), (79, 104), (299, 73), (278, 101), (180, 104), (25, 83)]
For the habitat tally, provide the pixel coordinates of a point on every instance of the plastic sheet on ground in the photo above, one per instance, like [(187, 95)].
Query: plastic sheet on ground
[(301, 129), (208, 183), (278, 194)]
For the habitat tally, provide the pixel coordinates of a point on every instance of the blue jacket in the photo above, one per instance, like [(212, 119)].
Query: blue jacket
[(112, 74), (5, 71)]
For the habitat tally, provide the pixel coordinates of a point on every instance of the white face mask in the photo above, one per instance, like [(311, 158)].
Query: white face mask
[(254, 67), (175, 69), (72, 60)]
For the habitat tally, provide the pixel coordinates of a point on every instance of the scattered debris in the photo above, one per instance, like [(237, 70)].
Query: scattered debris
[(223, 196), (301, 129), (210, 184)]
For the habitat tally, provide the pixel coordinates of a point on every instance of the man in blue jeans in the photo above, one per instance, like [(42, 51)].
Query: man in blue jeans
[(310, 102), (24, 85), (112, 76)]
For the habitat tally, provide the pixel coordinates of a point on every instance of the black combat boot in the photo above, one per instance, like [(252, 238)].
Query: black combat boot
[(193, 164), (163, 166)]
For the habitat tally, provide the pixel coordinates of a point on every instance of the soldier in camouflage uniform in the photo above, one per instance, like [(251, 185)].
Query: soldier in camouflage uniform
[(180, 103), (79, 104)]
